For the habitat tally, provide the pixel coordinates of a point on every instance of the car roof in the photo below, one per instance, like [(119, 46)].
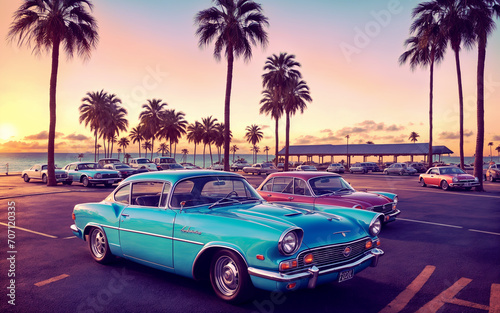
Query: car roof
[(174, 176), (303, 175)]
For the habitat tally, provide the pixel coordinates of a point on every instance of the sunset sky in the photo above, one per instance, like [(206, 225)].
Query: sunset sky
[(348, 50)]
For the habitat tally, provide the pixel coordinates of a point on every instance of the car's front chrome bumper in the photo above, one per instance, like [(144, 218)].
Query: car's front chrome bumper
[(391, 216), (313, 272), (464, 184)]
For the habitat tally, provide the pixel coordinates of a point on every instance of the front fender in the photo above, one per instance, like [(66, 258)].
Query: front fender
[(385, 194)]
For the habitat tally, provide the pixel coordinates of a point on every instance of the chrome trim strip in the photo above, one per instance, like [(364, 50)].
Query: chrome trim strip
[(309, 273), (154, 235)]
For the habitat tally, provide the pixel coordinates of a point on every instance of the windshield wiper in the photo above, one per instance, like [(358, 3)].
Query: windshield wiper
[(336, 191), (226, 197)]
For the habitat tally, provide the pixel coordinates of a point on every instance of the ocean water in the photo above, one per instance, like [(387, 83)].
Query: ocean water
[(21, 161)]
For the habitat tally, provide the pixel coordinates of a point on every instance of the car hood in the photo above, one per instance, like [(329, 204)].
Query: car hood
[(350, 199), (318, 227), (460, 176)]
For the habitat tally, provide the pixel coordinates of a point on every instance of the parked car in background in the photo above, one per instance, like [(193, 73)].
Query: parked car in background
[(190, 166), (493, 172), (124, 170), (105, 161), (358, 168), (306, 168), (335, 168), (260, 168), (216, 167), (89, 174), (372, 166), (215, 226), (39, 172), (165, 163), (322, 188), (419, 167), (143, 163), (239, 165), (399, 169), (448, 177)]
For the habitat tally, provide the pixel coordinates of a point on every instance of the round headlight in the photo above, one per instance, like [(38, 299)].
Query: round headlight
[(289, 244), (454, 179), (375, 227), (395, 200), (97, 176)]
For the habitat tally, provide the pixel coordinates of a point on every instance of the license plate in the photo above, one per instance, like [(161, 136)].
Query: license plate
[(111, 181), (346, 275)]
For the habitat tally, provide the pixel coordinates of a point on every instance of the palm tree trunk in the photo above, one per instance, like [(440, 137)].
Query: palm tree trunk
[(152, 147), (194, 157), (52, 108), (276, 133), (139, 148), (204, 148), (227, 102), (478, 162), (429, 160), (461, 108), (287, 140), (211, 158), (95, 146)]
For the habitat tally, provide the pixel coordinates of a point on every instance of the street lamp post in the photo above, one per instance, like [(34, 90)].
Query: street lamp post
[(348, 159)]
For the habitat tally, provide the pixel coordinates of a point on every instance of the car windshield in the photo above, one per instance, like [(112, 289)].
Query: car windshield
[(212, 191), (329, 184), (143, 161), (451, 170), (87, 166)]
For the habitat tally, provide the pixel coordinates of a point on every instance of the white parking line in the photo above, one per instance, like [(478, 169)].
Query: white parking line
[(51, 280), (31, 231), (484, 232), (430, 223)]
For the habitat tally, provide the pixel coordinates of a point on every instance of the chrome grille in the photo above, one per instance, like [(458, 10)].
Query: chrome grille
[(61, 176), (383, 208), (109, 175), (329, 255)]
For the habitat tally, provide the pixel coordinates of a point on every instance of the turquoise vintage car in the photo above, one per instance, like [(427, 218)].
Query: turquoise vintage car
[(214, 225), (89, 174)]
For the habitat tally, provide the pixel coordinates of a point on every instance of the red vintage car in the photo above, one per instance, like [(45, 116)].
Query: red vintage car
[(323, 188), (448, 177)]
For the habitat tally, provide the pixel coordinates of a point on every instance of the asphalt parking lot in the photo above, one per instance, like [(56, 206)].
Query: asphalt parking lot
[(441, 255)]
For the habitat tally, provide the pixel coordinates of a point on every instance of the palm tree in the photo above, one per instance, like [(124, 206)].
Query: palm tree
[(123, 143), (163, 149), (126, 156), (114, 122), (234, 26), (92, 112), (184, 152), (266, 150), (271, 105), (47, 25), (119, 151), (297, 96), (456, 27), (233, 149), (137, 135), (426, 48), (195, 135), (281, 71), (173, 126), (208, 126), (255, 150), (147, 146), (151, 118), (498, 150), (413, 137), (254, 135), (481, 12), (98, 146), (80, 157), (490, 144)]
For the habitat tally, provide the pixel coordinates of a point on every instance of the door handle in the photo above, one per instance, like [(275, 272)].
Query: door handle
[(125, 215), (290, 198), (269, 196)]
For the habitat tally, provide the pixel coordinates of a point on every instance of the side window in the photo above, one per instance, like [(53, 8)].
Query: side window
[(283, 184), (147, 193), (300, 187), (122, 195), (37, 167), (268, 186)]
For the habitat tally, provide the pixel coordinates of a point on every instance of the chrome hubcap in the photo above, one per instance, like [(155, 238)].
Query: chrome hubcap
[(226, 275), (98, 243)]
